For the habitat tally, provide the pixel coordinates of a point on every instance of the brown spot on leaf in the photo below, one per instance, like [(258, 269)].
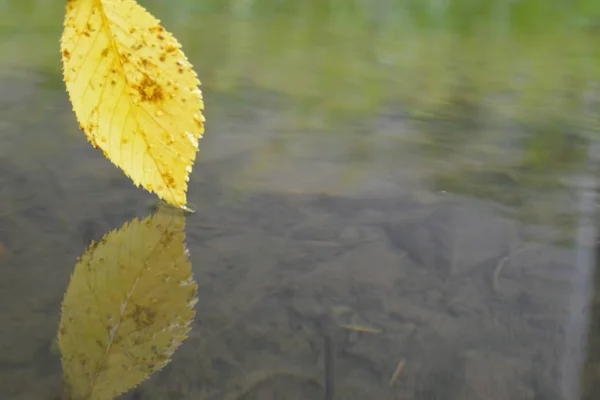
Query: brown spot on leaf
[(156, 28), (93, 142), (143, 316), (89, 128), (169, 180), (149, 90)]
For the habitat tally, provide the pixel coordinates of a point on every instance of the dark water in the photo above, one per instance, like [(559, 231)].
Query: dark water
[(339, 186)]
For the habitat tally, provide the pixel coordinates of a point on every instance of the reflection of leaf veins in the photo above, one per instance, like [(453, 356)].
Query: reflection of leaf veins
[(127, 309)]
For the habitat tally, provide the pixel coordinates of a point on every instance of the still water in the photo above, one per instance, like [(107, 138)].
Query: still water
[(393, 201)]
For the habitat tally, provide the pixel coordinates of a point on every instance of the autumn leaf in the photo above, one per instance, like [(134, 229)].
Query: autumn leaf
[(134, 93), (127, 309)]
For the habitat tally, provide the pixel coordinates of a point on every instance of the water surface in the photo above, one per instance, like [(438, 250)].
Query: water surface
[(413, 171)]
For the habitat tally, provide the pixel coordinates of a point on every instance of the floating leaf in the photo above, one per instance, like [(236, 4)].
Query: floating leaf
[(127, 309), (134, 93)]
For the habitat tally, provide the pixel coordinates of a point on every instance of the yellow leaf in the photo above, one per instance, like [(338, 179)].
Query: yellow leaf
[(127, 309), (134, 93)]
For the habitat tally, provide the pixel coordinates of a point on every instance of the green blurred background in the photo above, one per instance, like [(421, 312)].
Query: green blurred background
[(347, 57)]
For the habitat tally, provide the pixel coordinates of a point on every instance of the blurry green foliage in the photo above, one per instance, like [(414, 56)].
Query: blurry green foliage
[(357, 55)]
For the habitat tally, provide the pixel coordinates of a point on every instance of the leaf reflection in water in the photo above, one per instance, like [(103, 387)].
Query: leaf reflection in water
[(127, 308)]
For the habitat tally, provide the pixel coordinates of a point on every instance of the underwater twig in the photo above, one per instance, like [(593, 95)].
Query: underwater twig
[(398, 371), (503, 261), (497, 272)]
